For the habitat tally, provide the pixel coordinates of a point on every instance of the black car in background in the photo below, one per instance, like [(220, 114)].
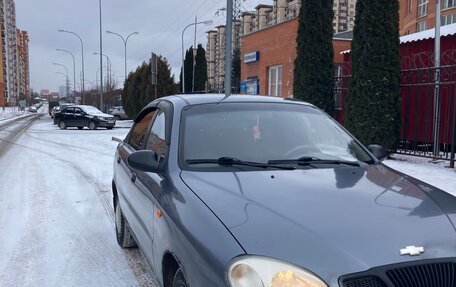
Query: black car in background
[(81, 116), (260, 191)]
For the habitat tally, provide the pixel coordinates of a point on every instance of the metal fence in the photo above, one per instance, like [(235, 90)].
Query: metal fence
[(417, 92)]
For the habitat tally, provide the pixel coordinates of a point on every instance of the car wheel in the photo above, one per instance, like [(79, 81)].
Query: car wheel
[(123, 232), (80, 128), (109, 128), (62, 125), (179, 280), (92, 125)]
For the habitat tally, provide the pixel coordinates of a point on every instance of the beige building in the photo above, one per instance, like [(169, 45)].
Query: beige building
[(23, 63), (215, 55)]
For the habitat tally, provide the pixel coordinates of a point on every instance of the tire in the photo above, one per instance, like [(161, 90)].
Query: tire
[(62, 125), (179, 280), (92, 125), (109, 128), (123, 232), (80, 128)]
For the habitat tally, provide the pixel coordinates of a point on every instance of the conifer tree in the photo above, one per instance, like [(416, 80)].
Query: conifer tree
[(200, 69), (313, 73), (373, 106)]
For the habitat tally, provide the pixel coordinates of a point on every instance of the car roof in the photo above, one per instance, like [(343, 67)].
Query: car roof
[(195, 99)]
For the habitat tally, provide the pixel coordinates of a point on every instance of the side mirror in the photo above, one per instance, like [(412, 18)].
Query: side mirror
[(378, 151), (144, 160)]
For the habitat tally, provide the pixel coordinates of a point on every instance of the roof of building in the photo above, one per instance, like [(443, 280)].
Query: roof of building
[(429, 34), (446, 30), (259, 6)]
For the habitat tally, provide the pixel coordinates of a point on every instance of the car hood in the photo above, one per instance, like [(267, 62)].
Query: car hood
[(332, 221)]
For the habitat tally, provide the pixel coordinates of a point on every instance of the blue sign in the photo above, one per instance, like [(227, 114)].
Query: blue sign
[(243, 87), (252, 57)]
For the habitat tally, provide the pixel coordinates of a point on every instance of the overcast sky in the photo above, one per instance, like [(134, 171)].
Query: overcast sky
[(159, 23)]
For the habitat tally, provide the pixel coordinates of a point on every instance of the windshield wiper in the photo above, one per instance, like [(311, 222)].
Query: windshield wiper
[(230, 161), (309, 160)]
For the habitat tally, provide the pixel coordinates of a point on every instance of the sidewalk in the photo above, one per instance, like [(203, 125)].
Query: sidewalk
[(437, 174)]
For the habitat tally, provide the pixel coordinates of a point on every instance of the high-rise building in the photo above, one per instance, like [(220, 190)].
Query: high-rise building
[(419, 15), (23, 63), (9, 80), (344, 15), (215, 54)]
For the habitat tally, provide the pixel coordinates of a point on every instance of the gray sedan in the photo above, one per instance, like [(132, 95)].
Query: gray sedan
[(261, 191)]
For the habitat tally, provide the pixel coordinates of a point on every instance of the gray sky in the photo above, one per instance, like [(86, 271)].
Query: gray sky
[(159, 23)]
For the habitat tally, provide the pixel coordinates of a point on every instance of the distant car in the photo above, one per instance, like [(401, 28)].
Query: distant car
[(265, 191), (118, 113), (81, 116), (54, 110), (33, 109)]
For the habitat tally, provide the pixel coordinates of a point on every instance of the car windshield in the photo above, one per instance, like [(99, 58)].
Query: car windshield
[(91, 110), (264, 133)]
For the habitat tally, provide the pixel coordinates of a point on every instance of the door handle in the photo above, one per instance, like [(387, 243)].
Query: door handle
[(133, 177)]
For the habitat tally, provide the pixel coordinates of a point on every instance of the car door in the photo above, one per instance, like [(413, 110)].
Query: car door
[(150, 184), (68, 116), (130, 189), (78, 117)]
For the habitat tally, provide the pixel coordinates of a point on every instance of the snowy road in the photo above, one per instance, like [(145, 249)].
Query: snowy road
[(56, 215)]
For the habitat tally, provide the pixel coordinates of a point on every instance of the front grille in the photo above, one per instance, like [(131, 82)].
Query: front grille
[(425, 273), (368, 281)]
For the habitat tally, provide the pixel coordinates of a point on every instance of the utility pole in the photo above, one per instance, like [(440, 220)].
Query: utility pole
[(228, 46), (436, 152)]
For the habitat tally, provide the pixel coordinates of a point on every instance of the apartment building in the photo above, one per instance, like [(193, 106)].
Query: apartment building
[(419, 15), (9, 80), (23, 62), (215, 54)]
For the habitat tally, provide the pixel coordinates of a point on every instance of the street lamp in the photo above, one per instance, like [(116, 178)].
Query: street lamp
[(109, 67), (82, 54), (125, 46), (74, 67), (207, 23), (66, 75)]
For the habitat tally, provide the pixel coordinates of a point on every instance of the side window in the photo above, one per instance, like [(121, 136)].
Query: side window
[(138, 133), (77, 111), (156, 141), (69, 111)]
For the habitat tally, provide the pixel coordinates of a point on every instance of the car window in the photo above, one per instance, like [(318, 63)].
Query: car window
[(69, 111), (139, 130), (262, 132), (78, 111), (156, 141)]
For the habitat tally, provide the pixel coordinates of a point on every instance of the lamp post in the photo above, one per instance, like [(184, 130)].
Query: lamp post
[(108, 69), (101, 59), (66, 81), (208, 22), (74, 67), (82, 56), (125, 40), (66, 70)]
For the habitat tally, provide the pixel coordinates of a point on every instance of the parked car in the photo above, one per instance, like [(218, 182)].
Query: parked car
[(265, 191), (118, 113), (33, 109), (81, 116)]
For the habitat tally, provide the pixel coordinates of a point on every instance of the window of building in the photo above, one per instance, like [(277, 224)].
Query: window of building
[(421, 26), (449, 3), (422, 7), (275, 81), (409, 6), (448, 19)]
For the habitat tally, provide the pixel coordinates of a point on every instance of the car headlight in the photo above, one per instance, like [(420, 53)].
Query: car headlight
[(256, 271)]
